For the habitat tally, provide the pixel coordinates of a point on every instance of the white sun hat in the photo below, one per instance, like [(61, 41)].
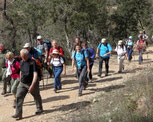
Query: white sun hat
[(55, 52), (27, 45), (39, 37), (120, 42), (103, 40)]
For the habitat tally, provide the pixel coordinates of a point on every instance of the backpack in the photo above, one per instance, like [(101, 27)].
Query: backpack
[(141, 44), (39, 52), (59, 47), (91, 54), (102, 44), (16, 59), (48, 44)]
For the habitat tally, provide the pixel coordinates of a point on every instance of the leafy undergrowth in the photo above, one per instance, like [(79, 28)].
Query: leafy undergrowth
[(131, 103)]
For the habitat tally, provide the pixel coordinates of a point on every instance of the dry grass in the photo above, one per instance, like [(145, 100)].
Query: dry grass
[(133, 103)]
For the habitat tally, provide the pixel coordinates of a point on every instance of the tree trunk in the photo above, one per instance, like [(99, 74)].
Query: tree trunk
[(13, 29), (67, 38)]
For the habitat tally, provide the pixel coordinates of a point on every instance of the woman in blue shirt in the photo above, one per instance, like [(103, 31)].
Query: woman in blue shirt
[(102, 49), (81, 58)]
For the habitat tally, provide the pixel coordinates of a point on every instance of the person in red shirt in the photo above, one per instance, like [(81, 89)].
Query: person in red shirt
[(55, 46)]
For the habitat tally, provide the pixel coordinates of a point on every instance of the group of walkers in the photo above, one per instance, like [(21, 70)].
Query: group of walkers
[(22, 73)]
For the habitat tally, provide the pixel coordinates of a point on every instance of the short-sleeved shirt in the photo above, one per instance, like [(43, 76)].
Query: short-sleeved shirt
[(42, 47), (80, 58), (120, 50), (57, 62), (104, 49), (27, 69)]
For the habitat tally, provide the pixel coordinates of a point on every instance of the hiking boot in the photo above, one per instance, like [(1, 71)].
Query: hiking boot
[(99, 75), (80, 94), (38, 112), (119, 71), (14, 104), (55, 90), (59, 88), (3, 93), (17, 116), (106, 74)]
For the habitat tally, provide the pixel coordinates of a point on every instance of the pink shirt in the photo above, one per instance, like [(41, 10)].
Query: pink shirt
[(15, 70)]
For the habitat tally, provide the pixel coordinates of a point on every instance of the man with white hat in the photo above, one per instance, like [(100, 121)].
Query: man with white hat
[(121, 52), (32, 52), (44, 46), (102, 49)]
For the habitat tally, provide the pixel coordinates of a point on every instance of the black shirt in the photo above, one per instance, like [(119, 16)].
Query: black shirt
[(27, 68)]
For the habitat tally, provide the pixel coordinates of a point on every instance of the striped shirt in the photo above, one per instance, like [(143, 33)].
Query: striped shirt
[(57, 61)]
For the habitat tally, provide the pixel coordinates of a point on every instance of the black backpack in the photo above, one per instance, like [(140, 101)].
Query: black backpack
[(49, 45)]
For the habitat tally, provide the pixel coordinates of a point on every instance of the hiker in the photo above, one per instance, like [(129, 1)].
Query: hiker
[(56, 47), (44, 46), (141, 46), (91, 56), (58, 64), (144, 36), (33, 54), (129, 47), (5, 80), (77, 41), (13, 70), (122, 54), (102, 49), (81, 58), (29, 82), (2, 60)]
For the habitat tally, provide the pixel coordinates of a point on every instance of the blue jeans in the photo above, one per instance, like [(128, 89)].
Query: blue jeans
[(140, 56), (57, 80), (129, 51)]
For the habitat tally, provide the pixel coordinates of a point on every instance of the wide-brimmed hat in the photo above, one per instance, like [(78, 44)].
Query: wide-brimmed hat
[(103, 40), (120, 42), (55, 52), (27, 45)]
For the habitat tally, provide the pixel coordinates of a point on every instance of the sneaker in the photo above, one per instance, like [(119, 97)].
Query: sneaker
[(106, 74), (99, 75)]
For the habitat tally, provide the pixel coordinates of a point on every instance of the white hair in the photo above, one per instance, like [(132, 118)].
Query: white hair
[(24, 51)]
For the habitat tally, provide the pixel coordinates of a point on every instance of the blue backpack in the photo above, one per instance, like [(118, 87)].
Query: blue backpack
[(48, 44), (39, 52)]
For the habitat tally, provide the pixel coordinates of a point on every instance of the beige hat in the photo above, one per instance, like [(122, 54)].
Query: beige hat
[(27, 45), (55, 52), (120, 42), (39, 37), (141, 32), (103, 40)]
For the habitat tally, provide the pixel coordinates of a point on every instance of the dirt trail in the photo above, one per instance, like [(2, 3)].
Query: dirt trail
[(59, 105)]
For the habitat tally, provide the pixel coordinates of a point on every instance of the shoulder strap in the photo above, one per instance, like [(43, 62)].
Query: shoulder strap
[(74, 55)]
